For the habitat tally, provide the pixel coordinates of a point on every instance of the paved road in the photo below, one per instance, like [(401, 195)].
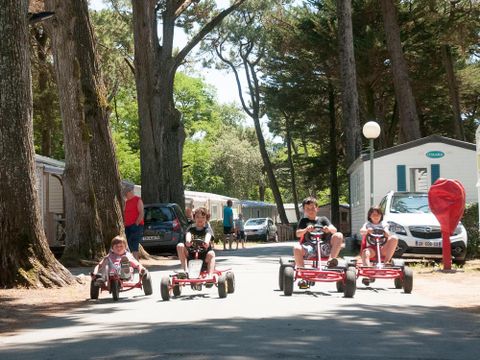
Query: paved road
[(256, 322)]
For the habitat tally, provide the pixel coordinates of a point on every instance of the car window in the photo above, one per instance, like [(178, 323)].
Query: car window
[(383, 204), (410, 203), (158, 214), (255, 222)]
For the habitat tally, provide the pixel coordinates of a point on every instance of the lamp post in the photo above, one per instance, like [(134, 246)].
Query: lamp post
[(371, 130)]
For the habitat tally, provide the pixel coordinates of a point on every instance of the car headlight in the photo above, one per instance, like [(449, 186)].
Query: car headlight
[(396, 228), (458, 230)]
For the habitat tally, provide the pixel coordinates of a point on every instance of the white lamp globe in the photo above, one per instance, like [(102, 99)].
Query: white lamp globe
[(371, 130)]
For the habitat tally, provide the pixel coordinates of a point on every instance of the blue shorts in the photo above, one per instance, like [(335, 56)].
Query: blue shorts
[(310, 251), (134, 234)]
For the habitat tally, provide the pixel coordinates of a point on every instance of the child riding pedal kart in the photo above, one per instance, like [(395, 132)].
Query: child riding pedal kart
[(197, 259), (115, 272), (319, 269), (379, 245)]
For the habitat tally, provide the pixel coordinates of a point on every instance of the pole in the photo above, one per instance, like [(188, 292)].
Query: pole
[(371, 172)]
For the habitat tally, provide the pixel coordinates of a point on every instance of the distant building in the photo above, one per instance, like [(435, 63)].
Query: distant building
[(413, 166)]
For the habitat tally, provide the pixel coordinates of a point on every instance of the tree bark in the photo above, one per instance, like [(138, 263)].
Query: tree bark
[(288, 137), (25, 258), (350, 108), (453, 91), (334, 193), (93, 202), (408, 117), (161, 129)]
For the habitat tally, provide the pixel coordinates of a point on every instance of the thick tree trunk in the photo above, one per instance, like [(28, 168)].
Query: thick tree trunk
[(25, 259), (453, 91), (161, 129), (409, 123), (334, 193), (93, 202), (350, 108)]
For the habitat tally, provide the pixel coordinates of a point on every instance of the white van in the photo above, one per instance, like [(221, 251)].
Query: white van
[(417, 228)]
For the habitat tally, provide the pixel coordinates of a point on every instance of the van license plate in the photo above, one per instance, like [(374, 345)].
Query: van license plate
[(427, 243)]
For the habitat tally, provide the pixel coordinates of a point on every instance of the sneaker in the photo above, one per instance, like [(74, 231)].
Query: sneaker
[(302, 284), (333, 262), (366, 281)]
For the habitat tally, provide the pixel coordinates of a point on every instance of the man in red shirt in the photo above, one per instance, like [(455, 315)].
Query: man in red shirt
[(132, 217)]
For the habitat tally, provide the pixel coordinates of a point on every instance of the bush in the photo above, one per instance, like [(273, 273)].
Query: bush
[(470, 221), (217, 227)]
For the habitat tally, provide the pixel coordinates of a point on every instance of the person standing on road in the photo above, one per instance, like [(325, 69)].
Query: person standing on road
[(132, 217), (240, 231), (227, 225)]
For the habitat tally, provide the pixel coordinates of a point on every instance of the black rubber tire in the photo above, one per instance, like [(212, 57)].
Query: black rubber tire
[(177, 290), (288, 276), (398, 283), (147, 284), (115, 289), (340, 286), (222, 286), (164, 288), (407, 280), (230, 282), (94, 290), (281, 270), (350, 283)]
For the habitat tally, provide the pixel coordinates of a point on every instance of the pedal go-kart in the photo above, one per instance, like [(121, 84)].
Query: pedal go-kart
[(401, 274), (197, 276), (119, 281), (316, 270)]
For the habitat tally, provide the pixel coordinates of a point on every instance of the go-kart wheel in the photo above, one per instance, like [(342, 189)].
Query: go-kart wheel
[(165, 288), (115, 289), (94, 290), (284, 262), (147, 284), (288, 276), (340, 286), (230, 282), (222, 286), (407, 280), (177, 290), (350, 283), (398, 283)]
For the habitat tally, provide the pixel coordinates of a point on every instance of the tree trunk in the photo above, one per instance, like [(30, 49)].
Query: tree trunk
[(453, 91), (409, 123), (292, 167), (161, 128), (25, 258), (334, 193), (93, 202), (350, 108)]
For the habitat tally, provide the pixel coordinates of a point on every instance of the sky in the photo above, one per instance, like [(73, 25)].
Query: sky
[(223, 81)]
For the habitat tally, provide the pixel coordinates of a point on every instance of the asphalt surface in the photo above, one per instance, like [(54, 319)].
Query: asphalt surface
[(255, 322)]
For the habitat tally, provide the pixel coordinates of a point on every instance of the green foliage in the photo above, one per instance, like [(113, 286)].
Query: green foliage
[(470, 221), (128, 159)]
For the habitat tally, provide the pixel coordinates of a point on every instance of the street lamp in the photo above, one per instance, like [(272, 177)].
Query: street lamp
[(371, 130)]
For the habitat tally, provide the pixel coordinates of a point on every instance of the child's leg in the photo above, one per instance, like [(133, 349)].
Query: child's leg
[(389, 248), (210, 260), (182, 256), (367, 254), (298, 254), (336, 243)]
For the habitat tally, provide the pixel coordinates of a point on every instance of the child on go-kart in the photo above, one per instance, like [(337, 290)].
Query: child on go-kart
[(121, 258), (199, 230), (375, 224), (306, 249)]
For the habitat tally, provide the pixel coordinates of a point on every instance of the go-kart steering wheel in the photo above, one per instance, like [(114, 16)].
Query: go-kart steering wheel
[(377, 237)]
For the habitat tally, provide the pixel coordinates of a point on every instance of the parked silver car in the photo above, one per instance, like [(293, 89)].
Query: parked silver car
[(261, 229)]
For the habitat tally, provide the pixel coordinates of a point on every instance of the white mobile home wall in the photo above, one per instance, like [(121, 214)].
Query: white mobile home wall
[(393, 171)]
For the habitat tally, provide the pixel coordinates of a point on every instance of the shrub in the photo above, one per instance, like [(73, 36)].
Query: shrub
[(470, 221)]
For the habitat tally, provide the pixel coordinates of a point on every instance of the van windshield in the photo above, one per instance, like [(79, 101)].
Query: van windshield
[(410, 203)]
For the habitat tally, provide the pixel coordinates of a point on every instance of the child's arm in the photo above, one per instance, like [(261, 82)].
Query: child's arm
[(134, 263)]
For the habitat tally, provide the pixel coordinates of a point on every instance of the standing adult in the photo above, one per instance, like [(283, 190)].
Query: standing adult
[(132, 217), (228, 225)]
